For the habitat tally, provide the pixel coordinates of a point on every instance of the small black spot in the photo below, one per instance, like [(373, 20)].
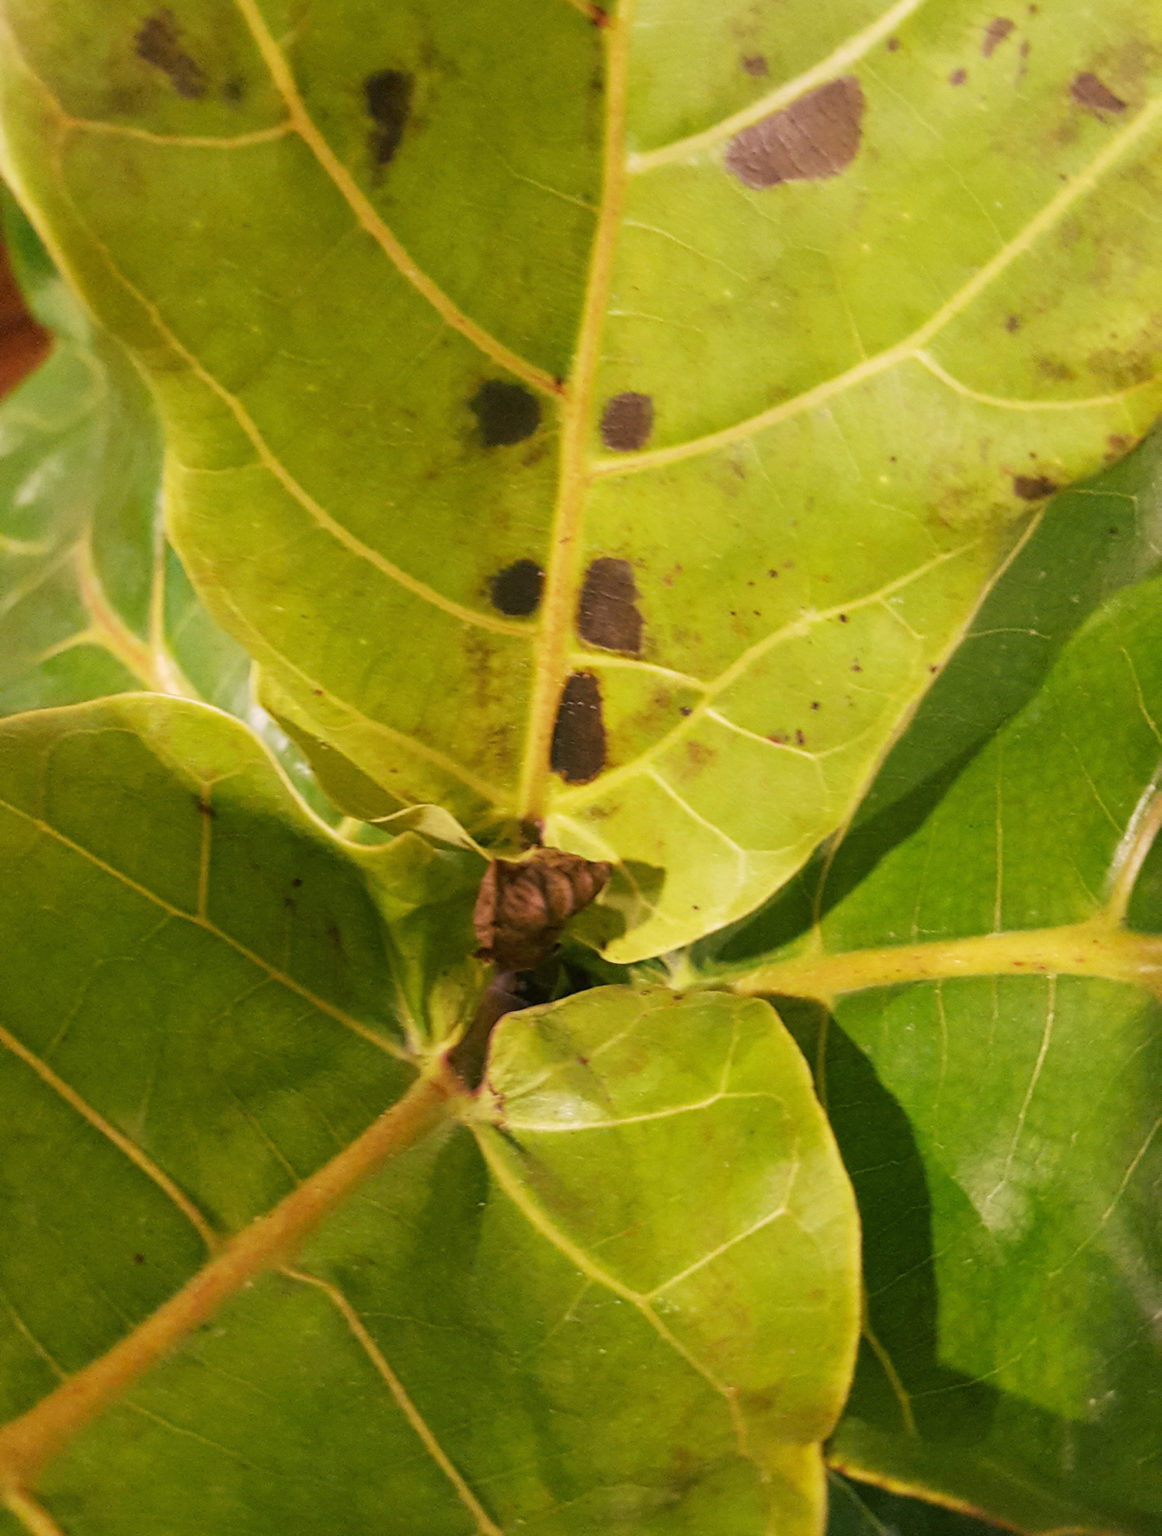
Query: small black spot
[(506, 413), (388, 99), (139, 1258), (755, 64), (627, 421), (516, 591), (158, 42), (815, 704), (578, 749), (685, 711), (843, 618), (607, 612), (1033, 487), (234, 91), (296, 882)]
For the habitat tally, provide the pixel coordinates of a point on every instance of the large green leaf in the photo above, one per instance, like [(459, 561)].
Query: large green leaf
[(765, 387), (991, 1064), (217, 1021)]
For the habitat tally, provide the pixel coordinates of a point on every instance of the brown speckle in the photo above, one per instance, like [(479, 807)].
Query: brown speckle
[(755, 64), (204, 807), (1013, 323), (516, 591), (814, 703), (387, 96), (158, 42), (1033, 487), (994, 34), (893, 44), (578, 749), (506, 413), (1089, 92), (800, 739), (607, 612), (627, 421), (958, 77), (139, 1258), (685, 711), (815, 137), (1117, 443)]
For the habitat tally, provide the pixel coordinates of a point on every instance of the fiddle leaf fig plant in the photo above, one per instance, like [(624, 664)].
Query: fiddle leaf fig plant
[(579, 771)]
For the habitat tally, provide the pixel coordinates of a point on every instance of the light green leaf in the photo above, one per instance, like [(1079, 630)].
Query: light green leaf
[(854, 292), (991, 1066), (522, 1318)]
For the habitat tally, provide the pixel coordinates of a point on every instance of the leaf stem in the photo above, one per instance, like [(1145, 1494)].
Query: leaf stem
[(27, 1442), (1095, 948)]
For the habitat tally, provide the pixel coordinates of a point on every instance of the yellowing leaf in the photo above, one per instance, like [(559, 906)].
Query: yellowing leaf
[(609, 420)]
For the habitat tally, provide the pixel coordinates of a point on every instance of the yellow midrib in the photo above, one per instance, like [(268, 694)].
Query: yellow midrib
[(555, 635)]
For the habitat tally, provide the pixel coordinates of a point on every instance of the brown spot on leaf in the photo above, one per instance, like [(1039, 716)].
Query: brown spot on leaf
[(158, 42), (578, 748), (627, 421), (1033, 487), (607, 612), (516, 591), (23, 343), (994, 34), (755, 64), (1013, 323), (958, 77), (1089, 92), (892, 44), (815, 137), (522, 908), (387, 96), (505, 413)]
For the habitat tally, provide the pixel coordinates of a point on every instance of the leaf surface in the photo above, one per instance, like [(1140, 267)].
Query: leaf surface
[(518, 336), (522, 1318), (991, 1062)]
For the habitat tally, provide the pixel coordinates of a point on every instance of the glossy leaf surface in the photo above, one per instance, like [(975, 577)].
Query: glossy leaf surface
[(857, 294), (991, 1066), (521, 1318)]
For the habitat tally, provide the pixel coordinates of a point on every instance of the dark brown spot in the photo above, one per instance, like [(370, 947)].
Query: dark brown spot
[(627, 421), (1088, 92), (516, 591), (843, 618), (607, 612), (387, 96), (685, 711), (139, 1258), (958, 77), (815, 137), (1013, 323), (814, 703), (1033, 487), (800, 739), (204, 807), (599, 16), (506, 413), (296, 882), (893, 44), (532, 832), (578, 749), (994, 34), (755, 64), (158, 42), (522, 908)]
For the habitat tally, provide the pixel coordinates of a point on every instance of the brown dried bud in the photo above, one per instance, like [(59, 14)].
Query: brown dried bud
[(523, 907)]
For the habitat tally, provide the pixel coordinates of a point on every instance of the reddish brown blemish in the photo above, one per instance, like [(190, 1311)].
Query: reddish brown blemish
[(607, 613), (1089, 92), (994, 35), (958, 77), (1033, 487), (814, 138)]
